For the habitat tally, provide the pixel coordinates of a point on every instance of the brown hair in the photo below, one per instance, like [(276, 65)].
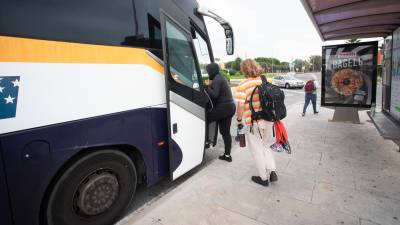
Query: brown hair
[(250, 68)]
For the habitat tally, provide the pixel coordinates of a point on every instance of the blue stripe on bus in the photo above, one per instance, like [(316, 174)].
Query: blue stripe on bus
[(52, 146)]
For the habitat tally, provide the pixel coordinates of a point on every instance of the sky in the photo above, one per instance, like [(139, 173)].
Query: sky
[(264, 28)]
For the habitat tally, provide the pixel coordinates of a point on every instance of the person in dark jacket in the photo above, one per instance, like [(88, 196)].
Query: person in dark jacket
[(224, 107)]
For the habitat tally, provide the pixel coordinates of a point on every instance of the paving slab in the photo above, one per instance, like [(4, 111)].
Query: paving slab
[(338, 173), (281, 210), (357, 203)]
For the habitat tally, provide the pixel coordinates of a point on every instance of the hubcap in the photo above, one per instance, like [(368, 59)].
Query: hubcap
[(96, 194)]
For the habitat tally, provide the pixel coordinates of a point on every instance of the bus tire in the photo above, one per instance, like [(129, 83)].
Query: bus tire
[(95, 190)]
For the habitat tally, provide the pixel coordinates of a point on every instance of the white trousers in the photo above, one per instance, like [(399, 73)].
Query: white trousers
[(259, 147)]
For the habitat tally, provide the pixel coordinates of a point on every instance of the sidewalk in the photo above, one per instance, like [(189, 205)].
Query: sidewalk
[(338, 173)]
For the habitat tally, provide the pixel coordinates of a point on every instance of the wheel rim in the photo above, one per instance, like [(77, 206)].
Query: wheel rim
[(96, 194), (287, 85)]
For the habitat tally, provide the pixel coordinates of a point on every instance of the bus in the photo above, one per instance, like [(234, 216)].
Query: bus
[(97, 97)]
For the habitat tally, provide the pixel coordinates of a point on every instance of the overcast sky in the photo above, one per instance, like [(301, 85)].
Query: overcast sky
[(280, 29)]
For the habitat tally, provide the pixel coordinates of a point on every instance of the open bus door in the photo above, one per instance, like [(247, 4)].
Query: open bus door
[(186, 101), (188, 130)]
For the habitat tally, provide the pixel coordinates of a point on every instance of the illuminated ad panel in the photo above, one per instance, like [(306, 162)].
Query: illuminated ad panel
[(349, 75)]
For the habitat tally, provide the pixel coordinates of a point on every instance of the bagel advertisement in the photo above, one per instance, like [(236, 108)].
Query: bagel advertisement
[(349, 74)]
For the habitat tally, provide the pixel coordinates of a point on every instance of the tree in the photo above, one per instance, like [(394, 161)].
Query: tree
[(301, 65), (315, 62), (269, 64), (353, 40), (228, 65), (236, 64), (285, 67), (298, 65)]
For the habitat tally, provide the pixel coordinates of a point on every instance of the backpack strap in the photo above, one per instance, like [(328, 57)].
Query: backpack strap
[(253, 112), (264, 79)]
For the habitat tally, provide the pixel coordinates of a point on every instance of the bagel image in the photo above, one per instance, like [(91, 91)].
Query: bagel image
[(346, 82)]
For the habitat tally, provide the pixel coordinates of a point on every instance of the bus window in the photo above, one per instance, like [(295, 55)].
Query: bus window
[(202, 53), (181, 60), (90, 21)]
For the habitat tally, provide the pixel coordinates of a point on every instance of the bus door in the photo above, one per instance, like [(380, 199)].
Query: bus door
[(186, 101), (204, 57)]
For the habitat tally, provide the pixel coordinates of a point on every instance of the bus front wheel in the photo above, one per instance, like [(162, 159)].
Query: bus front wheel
[(94, 190)]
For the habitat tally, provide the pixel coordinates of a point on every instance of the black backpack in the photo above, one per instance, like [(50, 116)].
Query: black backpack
[(272, 102)]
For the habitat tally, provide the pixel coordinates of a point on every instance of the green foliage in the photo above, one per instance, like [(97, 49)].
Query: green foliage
[(238, 75), (315, 63), (226, 75), (236, 64), (272, 64), (302, 66), (268, 61), (228, 65), (232, 71), (233, 66)]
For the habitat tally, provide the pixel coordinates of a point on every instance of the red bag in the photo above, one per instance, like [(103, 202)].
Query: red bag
[(309, 87), (282, 136)]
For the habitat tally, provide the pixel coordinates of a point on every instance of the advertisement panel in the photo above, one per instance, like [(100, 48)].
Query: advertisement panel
[(349, 74), (395, 86)]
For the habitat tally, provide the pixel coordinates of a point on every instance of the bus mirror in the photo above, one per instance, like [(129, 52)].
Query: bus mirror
[(225, 24), (229, 45)]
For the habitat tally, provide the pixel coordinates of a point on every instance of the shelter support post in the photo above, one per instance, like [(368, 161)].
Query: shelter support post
[(346, 114)]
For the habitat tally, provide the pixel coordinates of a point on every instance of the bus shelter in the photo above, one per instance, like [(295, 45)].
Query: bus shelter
[(349, 19)]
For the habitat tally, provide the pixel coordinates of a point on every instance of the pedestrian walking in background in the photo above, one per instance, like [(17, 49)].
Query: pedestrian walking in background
[(223, 106), (310, 90), (259, 134)]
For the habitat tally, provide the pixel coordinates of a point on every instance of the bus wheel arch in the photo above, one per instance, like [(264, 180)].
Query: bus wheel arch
[(119, 176)]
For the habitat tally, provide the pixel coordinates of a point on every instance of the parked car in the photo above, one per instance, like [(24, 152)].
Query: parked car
[(287, 82)]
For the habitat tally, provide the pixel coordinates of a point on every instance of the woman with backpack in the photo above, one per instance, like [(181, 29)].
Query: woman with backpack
[(259, 132)]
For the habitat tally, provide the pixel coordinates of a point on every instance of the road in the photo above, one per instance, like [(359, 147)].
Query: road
[(297, 95)]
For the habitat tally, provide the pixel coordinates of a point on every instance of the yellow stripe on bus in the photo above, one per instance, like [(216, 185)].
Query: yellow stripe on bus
[(14, 49)]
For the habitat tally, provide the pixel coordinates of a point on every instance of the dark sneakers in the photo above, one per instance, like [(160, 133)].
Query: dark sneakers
[(227, 158), (273, 177), (258, 180)]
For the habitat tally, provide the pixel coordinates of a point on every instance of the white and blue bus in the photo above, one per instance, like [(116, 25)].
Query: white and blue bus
[(96, 97)]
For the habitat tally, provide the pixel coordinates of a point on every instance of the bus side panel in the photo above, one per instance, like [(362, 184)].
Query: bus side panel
[(160, 141), (5, 213), (33, 157)]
